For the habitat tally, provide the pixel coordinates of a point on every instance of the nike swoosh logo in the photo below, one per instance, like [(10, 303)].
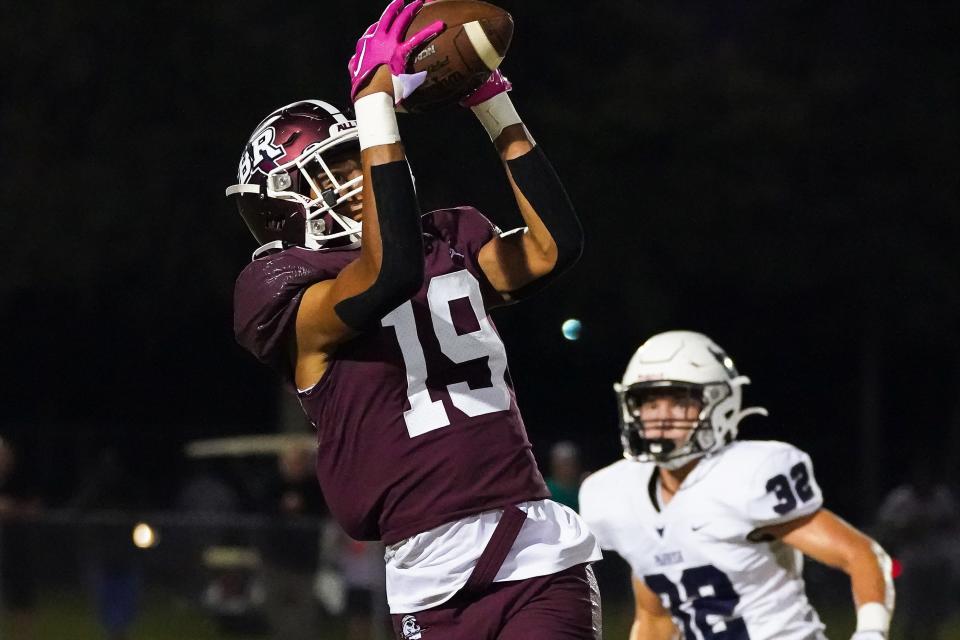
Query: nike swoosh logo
[(698, 527), (363, 52)]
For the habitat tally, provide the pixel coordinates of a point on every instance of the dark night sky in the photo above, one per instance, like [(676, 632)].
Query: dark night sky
[(781, 176)]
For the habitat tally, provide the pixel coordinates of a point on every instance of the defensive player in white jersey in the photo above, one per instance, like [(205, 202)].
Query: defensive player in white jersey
[(715, 529)]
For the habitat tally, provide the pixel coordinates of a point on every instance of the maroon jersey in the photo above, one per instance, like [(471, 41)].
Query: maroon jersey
[(417, 421)]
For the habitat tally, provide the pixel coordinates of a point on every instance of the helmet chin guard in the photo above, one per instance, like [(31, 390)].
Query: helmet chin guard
[(687, 364)]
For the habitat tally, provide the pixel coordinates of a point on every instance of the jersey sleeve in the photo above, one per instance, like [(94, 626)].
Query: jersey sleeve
[(783, 488), (466, 230), (266, 299), (594, 509)]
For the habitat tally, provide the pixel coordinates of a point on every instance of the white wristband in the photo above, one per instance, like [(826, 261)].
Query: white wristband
[(496, 114), (873, 616), (376, 120)]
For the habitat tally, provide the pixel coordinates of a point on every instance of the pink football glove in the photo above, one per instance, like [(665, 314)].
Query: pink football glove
[(382, 43), (496, 84)]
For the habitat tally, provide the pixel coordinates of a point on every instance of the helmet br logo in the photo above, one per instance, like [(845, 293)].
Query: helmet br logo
[(261, 148)]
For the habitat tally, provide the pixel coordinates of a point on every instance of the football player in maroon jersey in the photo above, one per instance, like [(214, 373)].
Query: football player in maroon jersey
[(383, 331)]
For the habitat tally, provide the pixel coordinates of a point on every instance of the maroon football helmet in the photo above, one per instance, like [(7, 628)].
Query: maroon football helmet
[(286, 191)]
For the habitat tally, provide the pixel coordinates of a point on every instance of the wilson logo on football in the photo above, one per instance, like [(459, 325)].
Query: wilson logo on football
[(428, 51)]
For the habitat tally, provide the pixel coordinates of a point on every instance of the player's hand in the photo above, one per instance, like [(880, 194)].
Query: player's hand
[(383, 44), (496, 84), (869, 635)]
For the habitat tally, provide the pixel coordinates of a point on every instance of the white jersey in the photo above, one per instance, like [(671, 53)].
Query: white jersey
[(696, 552)]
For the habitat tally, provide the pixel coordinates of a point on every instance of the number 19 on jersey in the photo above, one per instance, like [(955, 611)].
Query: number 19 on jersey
[(426, 415)]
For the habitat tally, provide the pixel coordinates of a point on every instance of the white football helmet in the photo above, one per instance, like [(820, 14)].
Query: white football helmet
[(689, 364)]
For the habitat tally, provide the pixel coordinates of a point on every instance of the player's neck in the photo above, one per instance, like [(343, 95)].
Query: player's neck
[(671, 479)]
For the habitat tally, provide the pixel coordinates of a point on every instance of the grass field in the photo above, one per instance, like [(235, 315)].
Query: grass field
[(68, 616)]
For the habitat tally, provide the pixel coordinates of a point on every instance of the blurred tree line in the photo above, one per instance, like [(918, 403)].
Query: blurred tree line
[(782, 176)]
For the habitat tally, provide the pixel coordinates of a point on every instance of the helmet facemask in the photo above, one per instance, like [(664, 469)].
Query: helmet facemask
[(691, 436), (311, 181)]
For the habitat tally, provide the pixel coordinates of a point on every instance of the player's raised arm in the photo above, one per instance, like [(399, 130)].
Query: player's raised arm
[(552, 239), (828, 539), (650, 621), (389, 268)]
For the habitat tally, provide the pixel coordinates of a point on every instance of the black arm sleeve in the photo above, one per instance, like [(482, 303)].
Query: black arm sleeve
[(401, 270), (540, 185)]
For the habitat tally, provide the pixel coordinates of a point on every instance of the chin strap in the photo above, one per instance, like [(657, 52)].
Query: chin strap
[(276, 245), (352, 232)]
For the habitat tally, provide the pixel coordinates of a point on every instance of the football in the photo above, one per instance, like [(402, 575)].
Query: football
[(461, 58)]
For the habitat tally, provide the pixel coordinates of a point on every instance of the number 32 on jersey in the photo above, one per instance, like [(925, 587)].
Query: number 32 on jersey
[(426, 415)]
